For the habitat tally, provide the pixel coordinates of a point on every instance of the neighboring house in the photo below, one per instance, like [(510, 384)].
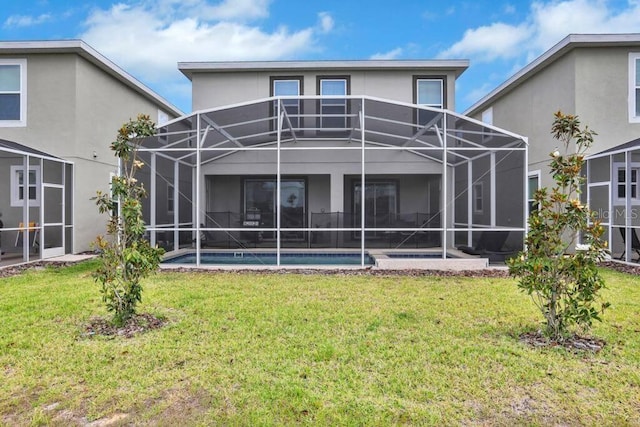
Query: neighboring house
[(596, 77), (333, 154), (61, 104)]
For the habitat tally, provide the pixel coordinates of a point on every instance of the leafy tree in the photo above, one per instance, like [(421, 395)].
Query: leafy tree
[(125, 256), (564, 285)]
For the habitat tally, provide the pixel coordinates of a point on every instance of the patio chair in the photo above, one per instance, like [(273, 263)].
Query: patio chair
[(491, 244), (635, 242), (32, 229)]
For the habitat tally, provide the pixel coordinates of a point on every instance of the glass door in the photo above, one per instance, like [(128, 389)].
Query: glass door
[(380, 202), (260, 205)]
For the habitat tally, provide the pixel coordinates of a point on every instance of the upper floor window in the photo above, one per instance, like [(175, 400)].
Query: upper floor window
[(25, 186), (430, 92), (333, 111), (288, 86), (487, 117), (13, 92), (634, 87)]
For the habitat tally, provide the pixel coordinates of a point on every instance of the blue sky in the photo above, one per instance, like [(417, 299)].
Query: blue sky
[(148, 38)]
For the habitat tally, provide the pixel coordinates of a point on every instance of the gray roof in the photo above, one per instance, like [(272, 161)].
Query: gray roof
[(190, 68), (14, 146), (631, 145), (565, 45), (82, 49)]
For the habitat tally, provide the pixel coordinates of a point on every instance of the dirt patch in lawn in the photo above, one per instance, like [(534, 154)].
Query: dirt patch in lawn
[(136, 325), (574, 343)]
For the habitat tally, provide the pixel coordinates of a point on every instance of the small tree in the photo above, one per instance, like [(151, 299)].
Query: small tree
[(125, 256), (563, 285)]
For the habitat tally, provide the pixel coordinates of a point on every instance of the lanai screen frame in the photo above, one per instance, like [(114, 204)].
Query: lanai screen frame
[(30, 155), (608, 214), (175, 142)]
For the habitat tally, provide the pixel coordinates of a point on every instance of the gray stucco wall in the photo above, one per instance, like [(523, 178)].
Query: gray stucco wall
[(528, 109), (218, 89), (602, 89), (74, 110), (590, 82)]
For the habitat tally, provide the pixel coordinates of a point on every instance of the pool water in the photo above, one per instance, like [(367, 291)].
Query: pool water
[(269, 258)]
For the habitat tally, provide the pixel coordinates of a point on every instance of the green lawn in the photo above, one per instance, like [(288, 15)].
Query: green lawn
[(265, 349)]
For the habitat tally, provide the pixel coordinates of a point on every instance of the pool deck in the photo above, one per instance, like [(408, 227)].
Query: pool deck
[(458, 262)]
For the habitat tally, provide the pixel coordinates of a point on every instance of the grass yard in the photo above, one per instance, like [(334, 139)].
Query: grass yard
[(282, 349)]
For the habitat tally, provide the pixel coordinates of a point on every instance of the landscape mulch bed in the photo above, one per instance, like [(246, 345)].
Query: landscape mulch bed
[(494, 272), (138, 324), (576, 342)]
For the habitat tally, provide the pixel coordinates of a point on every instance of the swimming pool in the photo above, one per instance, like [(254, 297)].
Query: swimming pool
[(269, 258)]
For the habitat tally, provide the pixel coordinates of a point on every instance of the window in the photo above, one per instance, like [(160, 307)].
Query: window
[(333, 111), (621, 182), (170, 198), (487, 117), (478, 198), (288, 86), (634, 87), (13, 92), (534, 185), (430, 92), (22, 186)]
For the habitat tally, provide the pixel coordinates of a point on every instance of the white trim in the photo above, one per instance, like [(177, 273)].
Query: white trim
[(22, 121), (15, 199), (634, 87)]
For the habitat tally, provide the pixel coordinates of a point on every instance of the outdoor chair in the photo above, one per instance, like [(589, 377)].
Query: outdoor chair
[(32, 230), (635, 242), (491, 244)]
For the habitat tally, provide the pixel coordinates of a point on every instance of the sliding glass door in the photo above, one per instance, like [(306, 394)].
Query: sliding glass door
[(381, 204), (260, 205)]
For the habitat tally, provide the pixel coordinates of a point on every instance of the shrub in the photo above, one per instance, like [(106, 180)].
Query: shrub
[(125, 256), (563, 284)]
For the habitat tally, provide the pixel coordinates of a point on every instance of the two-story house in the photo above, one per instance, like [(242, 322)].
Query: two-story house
[(596, 77), (310, 155), (61, 104)]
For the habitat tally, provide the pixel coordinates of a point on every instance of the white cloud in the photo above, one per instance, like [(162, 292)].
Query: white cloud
[(392, 54), (326, 22), (242, 10), (553, 21), (509, 9), (148, 39), (547, 23), (490, 42), (26, 20), (477, 93)]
